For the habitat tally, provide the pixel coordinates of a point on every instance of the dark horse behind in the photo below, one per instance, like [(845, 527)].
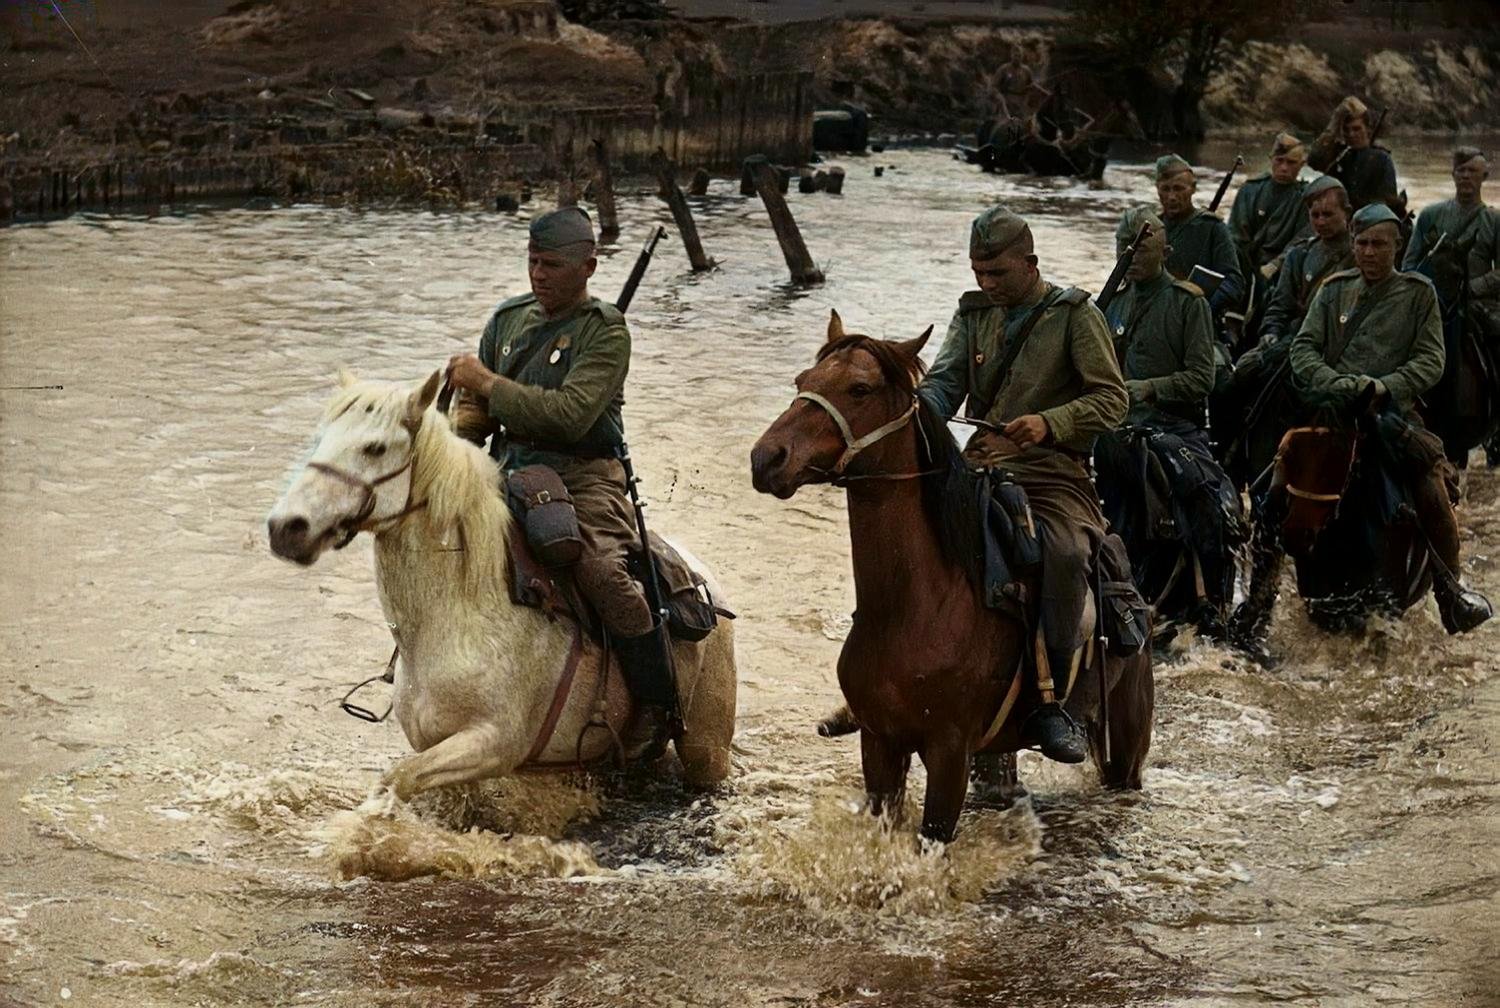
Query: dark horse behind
[(927, 668)]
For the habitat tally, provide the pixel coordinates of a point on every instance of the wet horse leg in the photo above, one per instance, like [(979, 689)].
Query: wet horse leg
[(885, 768), (1132, 701), (994, 781), (947, 764), (468, 755)]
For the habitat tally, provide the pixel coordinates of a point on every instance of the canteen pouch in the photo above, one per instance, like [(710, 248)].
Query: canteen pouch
[(541, 503), (1124, 616)]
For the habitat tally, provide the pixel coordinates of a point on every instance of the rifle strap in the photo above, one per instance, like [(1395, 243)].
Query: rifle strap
[(1012, 351)]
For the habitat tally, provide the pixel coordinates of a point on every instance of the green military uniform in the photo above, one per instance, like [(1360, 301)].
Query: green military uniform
[(1164, 338), (1267, 216), (1308, 262), (1201, 239), (1399, 341), (1472, 236), (558, 403), (1368, 173), (1065, 372)]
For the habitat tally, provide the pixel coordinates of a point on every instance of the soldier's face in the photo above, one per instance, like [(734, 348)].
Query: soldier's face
[(1357, 133), (1176, 193), (1468, 178), (1284, 167), (1148, 258), (1375, 251), (1327, 216), (1006, 278), (559, 280)]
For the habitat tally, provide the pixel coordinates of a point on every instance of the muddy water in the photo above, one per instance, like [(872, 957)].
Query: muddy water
[(179, 791)]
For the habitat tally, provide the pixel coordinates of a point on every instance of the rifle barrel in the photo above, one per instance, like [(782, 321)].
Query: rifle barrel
[(1224, 183), (638, 271), (1122, 265)]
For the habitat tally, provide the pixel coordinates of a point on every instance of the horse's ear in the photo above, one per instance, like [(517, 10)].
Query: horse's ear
[(912, 347), (423, 397), (346, 378), (835, 326)]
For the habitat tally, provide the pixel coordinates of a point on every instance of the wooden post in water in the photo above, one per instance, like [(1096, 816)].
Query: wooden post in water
[(604, 194), (835, 184), (798, 261), (666, 175), (699, 186)]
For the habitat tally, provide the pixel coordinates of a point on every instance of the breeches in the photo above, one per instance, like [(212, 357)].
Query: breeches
[(1071, 527), (606, 521)]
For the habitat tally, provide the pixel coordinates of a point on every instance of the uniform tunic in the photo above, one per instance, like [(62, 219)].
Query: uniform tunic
[(1400, 341), (558, 403), (1472, 232), (1066, 372), (1266, 217), (1201, 239), (1164, 337), (1308, 262), (1368, 173)]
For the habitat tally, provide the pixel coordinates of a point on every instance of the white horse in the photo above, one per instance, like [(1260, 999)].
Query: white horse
[(478, 688)]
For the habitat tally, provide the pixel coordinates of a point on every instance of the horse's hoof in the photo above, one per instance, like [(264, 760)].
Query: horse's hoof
[(997, 797), (840, 722)]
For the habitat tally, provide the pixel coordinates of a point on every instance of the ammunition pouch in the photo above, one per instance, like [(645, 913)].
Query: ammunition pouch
[(543, 508)]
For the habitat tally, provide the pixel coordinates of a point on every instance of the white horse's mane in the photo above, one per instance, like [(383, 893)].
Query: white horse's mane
[(459, 482)]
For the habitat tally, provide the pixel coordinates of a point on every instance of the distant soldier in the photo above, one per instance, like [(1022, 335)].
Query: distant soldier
[(1465, 224), (1309, 261), (1345, 150), (1195, 237), (1164, 340), (1268, 213), (1373, 333)]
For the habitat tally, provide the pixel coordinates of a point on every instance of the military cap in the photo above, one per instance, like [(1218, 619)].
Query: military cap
[(1463, 155), (1321, 185), (561, 227), (1371, 214), (1171, 164), (1287, 145), (994, 231), (1352, 108)]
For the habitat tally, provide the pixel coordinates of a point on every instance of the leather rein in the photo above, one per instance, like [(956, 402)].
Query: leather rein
[(854, 445)]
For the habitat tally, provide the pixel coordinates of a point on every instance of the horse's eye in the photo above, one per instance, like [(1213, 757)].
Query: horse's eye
[(374, 449), (860, 391)]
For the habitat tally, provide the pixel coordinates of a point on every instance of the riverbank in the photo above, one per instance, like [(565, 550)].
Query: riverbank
[(463, 102)]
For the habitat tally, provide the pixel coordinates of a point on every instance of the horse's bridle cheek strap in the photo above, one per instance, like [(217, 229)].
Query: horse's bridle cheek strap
[(853, 445), (366, 488)]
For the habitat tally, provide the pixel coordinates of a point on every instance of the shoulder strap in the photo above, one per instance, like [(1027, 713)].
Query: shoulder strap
[(1013, 348)]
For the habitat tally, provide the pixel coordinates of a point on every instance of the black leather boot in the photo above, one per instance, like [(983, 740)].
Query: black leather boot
[(1462, 609), (1056, 734), (649, 680)]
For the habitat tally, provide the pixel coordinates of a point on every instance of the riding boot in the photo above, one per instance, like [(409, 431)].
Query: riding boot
[(648, 677), (1251, 621), (1050, 728), (1461, 609)]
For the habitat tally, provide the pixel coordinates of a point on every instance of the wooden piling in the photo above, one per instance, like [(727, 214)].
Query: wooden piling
[(835, 184), (604, 194), (798, 261), (700, 182), (807, 182), (747, 180), (666, 175)]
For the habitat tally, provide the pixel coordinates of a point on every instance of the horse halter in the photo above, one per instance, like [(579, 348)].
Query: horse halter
[(360, 522), (852, 445)]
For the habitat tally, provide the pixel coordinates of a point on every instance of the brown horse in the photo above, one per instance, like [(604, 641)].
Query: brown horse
[(926, 668)]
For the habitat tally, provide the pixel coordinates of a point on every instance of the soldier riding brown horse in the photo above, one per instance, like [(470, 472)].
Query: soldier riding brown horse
[(927, 667)]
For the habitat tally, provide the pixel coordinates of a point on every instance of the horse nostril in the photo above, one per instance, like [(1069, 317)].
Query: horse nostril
[(295, 527)]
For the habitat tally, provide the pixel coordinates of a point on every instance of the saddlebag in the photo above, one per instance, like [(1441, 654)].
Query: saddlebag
[(544, 509), (1125, 618), (692, 612), (1011, 548)]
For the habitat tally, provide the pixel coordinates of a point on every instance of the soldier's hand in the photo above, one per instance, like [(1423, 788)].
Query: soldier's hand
[(466, 371), (1027, 430), (1140, 390), (1269, 269)]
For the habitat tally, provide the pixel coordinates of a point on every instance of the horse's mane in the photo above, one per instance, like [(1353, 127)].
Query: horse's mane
[(459, 482), (948, 494)]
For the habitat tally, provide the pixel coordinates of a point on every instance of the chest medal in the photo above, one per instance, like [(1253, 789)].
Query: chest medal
[(1120, 330), (563, 342), (979, 358), (555, 357)]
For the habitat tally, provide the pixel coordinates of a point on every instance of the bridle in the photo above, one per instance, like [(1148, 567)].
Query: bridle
[(361, 520), (854, 445)]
